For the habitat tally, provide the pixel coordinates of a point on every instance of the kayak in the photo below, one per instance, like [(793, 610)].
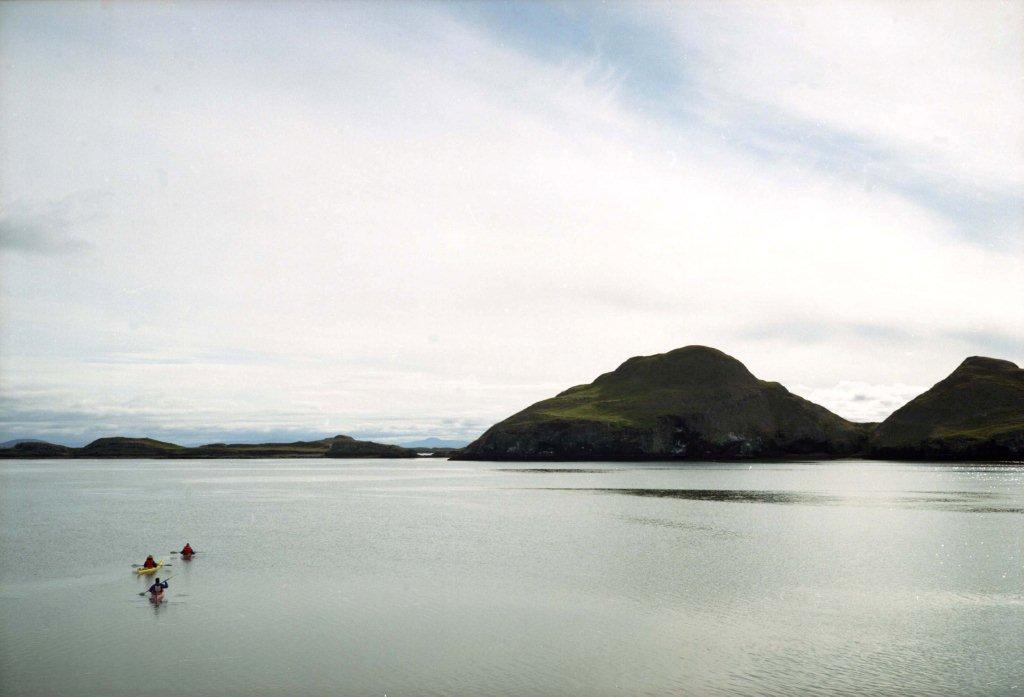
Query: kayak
[(155, 598), (187, 557), (153, 570), (143, 572)]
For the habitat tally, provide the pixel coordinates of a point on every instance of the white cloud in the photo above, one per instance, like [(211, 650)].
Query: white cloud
[(861, 401), (315, 224), (50, 227), (936, 81)]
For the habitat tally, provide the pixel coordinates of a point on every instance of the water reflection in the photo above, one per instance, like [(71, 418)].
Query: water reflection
[(964, 501), (553, 470), (709, 530)]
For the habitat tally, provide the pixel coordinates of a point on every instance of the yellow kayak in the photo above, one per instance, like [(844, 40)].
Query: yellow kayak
[(153, 570)]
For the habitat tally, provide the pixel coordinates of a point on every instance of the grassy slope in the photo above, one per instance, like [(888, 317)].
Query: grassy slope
[(709, 389), (695, 381), (982, 399), (120, 446), (317, 448)]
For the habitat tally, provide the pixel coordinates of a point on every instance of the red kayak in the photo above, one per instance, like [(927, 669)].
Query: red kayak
[(156, 598)]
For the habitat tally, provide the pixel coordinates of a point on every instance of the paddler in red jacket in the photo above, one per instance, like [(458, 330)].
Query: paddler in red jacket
[(187, 550), (150, 564)]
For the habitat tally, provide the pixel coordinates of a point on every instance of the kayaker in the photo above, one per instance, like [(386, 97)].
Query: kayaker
[(187, 549), (157, 588), (150, 563)]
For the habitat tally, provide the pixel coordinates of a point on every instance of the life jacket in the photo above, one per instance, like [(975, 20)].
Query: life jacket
[(149, 563), (187, 550)]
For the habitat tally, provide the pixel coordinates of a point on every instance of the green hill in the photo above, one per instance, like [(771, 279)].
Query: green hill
[(118, 446), (28, 449), (691, 403), (975, 413), (345, 446), (300, 448)]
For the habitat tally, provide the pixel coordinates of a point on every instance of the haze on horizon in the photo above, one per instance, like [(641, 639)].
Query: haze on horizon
[(276, 221)]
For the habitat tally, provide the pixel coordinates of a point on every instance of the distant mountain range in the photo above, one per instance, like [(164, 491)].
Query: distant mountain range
[(434, 443), (12, 443), (693, 403)]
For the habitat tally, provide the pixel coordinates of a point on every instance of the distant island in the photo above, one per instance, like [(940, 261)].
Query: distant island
[(434, 443), (12, 443), (693, 403), (336, 446)]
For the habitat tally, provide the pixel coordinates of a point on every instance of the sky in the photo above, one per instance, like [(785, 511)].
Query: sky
[(260, 221)]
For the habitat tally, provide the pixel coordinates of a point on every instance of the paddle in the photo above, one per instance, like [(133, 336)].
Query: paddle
[(175, 551), (139, 566), (164, 581)]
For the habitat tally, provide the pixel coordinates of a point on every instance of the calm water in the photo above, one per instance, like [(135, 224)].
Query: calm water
[(435, 578)]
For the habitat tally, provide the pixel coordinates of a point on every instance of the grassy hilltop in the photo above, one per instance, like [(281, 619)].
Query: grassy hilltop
[(975, 413), (691, 403)]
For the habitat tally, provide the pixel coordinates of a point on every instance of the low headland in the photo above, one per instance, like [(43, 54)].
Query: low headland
[(118, 446), (693, 403)]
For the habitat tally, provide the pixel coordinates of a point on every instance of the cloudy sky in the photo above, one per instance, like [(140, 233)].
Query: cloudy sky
[(248, 221)]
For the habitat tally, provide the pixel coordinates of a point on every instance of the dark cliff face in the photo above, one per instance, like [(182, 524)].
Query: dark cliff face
[(977, 413), (692, 403)]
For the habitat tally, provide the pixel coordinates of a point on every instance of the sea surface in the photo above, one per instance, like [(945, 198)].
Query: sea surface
[(430, 577)]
